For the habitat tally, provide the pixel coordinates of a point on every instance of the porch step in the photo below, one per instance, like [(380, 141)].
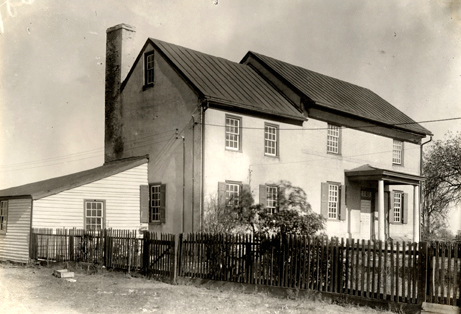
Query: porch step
[(440, 308), (63, 273)]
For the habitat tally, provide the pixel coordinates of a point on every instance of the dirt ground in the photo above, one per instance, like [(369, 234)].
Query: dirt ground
[(33, 289)]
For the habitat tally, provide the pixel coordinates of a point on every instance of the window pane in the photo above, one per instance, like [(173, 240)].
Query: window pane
[(397, 206), (232, 133), (232, 193), (397, 152), (270, 140), (272, 198), (333, 139), (94, 213), (333, 193), (155, 202)]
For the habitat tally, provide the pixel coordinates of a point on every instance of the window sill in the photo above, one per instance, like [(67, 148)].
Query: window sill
[(334, 154), (233, 150), (148, 86), (155, 223)]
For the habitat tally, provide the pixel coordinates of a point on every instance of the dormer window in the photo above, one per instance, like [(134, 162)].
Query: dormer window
[(149, 68)]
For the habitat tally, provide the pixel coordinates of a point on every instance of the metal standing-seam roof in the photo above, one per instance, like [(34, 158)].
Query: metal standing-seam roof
[(40, 189), (332, 93), (227, 82)]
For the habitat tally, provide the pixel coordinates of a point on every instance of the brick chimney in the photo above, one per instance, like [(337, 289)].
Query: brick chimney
[(120, 56)]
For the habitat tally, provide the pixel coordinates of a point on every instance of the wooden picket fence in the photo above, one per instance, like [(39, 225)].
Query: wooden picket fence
[(393, 271), (118, 249)]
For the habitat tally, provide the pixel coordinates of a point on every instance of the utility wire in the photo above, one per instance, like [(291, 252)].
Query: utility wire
[(355, 127), (145, 142)]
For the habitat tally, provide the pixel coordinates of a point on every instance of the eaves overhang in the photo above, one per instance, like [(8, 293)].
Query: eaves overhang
[(225, 104)]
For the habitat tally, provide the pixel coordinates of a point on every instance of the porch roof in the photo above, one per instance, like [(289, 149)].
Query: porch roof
[(369, 173)]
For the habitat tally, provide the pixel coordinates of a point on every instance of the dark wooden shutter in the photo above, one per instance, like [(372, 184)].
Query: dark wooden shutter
[(222, 194), (144, 203), (162, 209), (405, 208), (342, 203), (263, 195), (391, 206), (324, 200)]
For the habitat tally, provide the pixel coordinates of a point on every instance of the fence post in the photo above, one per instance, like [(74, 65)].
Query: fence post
[(174, 266), (179, 255), (423, 272), (145, 252)]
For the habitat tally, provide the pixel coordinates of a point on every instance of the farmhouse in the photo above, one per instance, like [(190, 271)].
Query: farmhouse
[(249, 125), (212, 128)]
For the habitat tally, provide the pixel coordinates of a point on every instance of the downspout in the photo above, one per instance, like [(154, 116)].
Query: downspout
[(193, 173), (183, 183), (420, 183), (202, 181)]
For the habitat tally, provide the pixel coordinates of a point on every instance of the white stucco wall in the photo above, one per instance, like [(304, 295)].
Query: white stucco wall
[(302, 159)]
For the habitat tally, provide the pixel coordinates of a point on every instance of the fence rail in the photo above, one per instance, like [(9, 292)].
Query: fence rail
[(393, 271), (120, 249)]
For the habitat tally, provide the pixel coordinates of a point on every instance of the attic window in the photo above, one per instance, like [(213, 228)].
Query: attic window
[(149, 68)]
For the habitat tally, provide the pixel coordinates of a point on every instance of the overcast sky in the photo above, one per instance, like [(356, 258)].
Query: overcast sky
[(53, 56)]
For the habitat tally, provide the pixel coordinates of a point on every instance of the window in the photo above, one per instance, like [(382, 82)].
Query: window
[(149, 68), (397, 206), (333, 201), (3, 215), (233, 130), (94, 215), (333, 139), (157, 201), (272, 198), (232, 194), (397, 152), (270, 140), (155, 198)]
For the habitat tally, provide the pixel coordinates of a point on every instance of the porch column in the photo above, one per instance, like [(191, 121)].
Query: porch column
[(381, 210), (416, 214)]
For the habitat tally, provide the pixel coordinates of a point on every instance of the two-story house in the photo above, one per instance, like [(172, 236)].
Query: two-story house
[(212, 126), (183, 127)]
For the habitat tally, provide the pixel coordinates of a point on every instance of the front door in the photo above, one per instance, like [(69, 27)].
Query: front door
[(366, 214)]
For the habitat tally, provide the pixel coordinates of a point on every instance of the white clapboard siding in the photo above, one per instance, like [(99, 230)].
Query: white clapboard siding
[(120, 192), (14, 245)]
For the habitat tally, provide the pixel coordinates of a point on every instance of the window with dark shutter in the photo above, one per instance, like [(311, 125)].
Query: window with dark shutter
[(398, 207), (157, 203), (333, 201)]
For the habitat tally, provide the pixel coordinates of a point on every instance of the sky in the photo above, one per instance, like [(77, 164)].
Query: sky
[(53, 58)]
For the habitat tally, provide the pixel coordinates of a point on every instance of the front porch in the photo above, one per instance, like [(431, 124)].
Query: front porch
[(383, 204)]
